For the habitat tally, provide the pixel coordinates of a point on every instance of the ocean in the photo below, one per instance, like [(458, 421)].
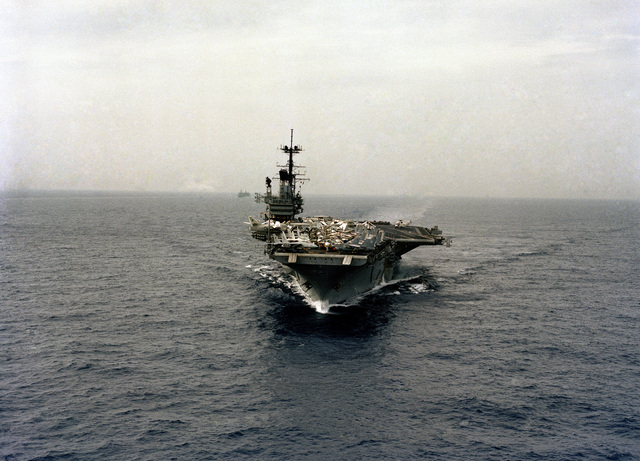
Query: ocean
[(141, 326)]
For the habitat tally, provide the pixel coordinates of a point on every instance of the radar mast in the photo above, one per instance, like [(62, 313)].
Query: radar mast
[(284, 206)]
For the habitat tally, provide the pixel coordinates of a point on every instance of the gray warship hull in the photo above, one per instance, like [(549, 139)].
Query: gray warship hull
[(336, 261), (334, 278), (333, 261)]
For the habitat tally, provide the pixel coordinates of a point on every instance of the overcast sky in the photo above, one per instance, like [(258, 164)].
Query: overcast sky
[(528, 98)]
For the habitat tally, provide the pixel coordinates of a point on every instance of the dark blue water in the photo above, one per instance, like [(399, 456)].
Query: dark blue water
[(146, 327)]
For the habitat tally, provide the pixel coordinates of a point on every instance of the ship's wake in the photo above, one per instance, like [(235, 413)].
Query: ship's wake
[(401, 285)]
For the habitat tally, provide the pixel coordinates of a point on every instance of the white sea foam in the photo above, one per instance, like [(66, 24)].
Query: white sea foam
[(322, 307)]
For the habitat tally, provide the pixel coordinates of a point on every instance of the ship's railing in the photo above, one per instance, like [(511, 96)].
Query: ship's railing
[(275, 199)]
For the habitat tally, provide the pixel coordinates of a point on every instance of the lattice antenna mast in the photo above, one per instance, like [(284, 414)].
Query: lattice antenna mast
[(291, 147), (290, 150)]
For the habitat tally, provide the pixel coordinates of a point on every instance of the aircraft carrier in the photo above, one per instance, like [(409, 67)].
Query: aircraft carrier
[(332, 260)]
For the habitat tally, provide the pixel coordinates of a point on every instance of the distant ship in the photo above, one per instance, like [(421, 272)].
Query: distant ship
[(332, 260), (243, 193)]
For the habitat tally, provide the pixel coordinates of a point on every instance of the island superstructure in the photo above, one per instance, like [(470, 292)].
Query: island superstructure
[(332, 260)]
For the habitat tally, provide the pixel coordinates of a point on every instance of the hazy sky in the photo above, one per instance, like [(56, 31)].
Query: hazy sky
[(527, 98)]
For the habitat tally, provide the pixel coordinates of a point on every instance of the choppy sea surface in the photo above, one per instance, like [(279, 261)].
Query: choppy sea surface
[(151, 326)]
